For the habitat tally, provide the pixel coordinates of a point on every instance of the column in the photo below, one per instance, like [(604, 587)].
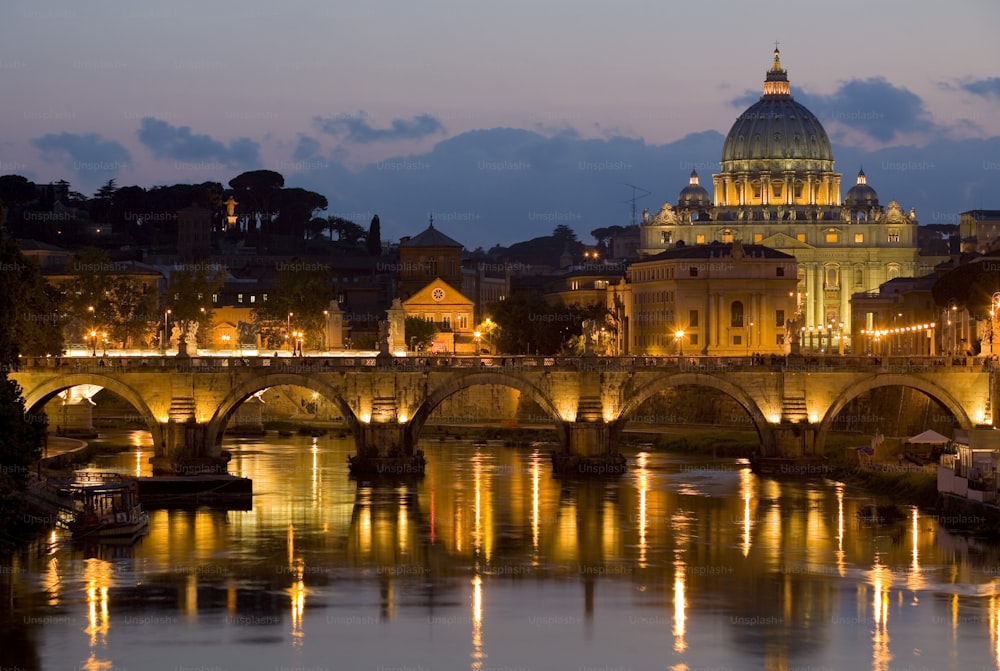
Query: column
[(807, 315)]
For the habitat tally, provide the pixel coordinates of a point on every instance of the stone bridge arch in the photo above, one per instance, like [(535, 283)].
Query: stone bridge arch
[(457, 382), (43, 393), (660, 383), (932, 389), (256, 383)]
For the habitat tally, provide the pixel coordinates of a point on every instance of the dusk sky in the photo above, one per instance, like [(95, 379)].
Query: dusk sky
[(401, 108)]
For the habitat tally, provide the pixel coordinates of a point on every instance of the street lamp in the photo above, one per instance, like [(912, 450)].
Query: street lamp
[(749, 331), (297, 345), (93, 342), (288, 329), (477, 335), (104, 343), (679, 339), (165, 342)]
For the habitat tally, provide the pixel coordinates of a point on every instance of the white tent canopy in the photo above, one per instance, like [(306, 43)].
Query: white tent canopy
[(929, 438)]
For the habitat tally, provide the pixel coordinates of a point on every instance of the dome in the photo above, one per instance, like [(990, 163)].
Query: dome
[(694, 194), (777, 133), (861, 195)]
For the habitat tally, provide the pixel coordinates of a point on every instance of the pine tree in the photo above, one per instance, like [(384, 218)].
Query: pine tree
[(374, 239)]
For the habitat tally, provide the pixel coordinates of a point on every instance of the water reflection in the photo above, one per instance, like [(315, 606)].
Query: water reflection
[(681, 562)]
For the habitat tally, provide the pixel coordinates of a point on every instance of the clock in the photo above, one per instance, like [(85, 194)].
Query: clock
[(438, 294)]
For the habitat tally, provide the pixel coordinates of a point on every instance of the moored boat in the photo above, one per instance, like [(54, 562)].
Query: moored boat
[(107, 509)]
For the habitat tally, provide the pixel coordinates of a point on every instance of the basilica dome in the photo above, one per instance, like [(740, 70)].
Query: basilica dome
[(776, 133)]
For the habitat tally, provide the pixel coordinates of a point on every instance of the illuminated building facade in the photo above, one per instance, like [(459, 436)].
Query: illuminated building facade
[(777, 188), (713, 300)]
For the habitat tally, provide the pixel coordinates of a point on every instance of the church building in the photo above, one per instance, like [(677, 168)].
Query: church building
[(777, 188)]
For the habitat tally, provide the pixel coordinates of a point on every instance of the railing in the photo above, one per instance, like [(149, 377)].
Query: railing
[(763, 363)]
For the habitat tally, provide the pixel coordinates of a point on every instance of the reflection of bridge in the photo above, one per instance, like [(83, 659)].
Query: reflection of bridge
[(187, 402)]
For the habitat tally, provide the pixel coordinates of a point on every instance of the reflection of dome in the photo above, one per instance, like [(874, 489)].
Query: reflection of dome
[(776, 129), (694, 194), (861, 195)]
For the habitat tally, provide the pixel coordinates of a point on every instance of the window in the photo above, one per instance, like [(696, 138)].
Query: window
[(215, 298), (693, 271), (893, 235), (699, 239), (859, 238), (600, 284), (776, 190), (727, 235), (239, 298), (779, 271), (736, 314), (263, 298), (432, 267), (779, 318), (832, 276), (253, 298), (463, 322), (446, 321), (693, 339), (737, 340), (757, 237), (801, 237), (693, 318), (859, 277), (574, 285), (832, 237)]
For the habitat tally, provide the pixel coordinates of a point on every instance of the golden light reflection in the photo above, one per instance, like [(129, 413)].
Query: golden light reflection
[(881, 582), (994, 617), (746, 489), (52, 581), (643, 489), (297, 594), (478, 655), (191, 595), (535, 505), (97, 577), (138, 463), (401, 523), (679, 524), (915, 580), (477, 523), (841, 568)]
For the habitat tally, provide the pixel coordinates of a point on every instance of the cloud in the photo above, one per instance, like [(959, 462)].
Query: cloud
[(357, 129), (93, 158), (306, 148), (986, 88), (180, 144), (870, 108)]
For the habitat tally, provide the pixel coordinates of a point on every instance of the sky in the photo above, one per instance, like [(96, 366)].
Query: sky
[(503, 120)]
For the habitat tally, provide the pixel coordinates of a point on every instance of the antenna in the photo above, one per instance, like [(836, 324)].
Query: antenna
[(636, 196)]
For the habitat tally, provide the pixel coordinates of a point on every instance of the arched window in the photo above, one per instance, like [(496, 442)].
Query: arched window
[(892, 272), (736, 314), (859, 277), (832, 276)]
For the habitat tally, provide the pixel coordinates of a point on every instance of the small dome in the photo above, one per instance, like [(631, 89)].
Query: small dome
[(776, 129), (694, 194), (861, 195)]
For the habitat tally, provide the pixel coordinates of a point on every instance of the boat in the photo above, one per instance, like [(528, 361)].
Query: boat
[(107, 509)]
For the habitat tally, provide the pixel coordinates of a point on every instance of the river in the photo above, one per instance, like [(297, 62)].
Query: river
[(489, 563)]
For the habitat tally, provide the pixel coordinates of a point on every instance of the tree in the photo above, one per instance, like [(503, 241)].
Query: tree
[(374, 239), (295, 208), (419, 333), (257, 191), (21, 433), (190, 290), (304, 291), (971, 286), (31, 323), (348, 233)]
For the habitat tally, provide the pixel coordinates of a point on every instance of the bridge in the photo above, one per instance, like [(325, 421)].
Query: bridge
[(187, 402)]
